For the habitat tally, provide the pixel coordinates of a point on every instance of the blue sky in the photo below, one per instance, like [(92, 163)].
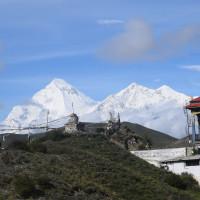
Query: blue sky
[(100, 46)]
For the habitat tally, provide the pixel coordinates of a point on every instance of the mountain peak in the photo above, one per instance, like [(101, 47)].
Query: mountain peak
[(165, 87), (132, 85), (60, 83)]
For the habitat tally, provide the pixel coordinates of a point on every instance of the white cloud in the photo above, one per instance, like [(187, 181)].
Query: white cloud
[(157, 80), (138, 43), (109, 21), (44, 56), (192, 67), (136, 40)]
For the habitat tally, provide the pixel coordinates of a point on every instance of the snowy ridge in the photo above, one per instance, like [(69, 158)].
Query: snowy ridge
[(159, 109)]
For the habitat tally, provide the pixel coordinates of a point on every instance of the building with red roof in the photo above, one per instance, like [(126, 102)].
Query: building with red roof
[(194, 107)]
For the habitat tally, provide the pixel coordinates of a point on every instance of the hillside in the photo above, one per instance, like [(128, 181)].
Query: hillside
[(83, 166), (159, 139)]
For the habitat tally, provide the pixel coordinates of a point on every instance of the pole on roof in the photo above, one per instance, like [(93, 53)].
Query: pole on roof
[(198, 117)]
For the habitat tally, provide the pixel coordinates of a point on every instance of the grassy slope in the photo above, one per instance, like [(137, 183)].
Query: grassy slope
[(87, 167), (159, 139)]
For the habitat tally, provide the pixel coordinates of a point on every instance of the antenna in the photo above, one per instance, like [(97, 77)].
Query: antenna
[(188, 124)]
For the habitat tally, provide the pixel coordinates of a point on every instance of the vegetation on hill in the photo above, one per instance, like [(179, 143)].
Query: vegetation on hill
[(85, 166), (159, 139)]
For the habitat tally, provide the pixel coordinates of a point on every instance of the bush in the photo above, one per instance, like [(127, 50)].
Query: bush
[(38, 147), (147, 140), (55, 135), (19, 145), (100, 130), (44, 183), (141, 147), (175, 181), (189, 181), (6, 158), (24, 186)]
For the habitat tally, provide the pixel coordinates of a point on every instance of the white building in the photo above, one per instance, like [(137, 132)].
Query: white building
[(156, 156), (176, 160), (189, 164)]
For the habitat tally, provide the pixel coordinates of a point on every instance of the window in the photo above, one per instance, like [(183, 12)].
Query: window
[(192, 162)]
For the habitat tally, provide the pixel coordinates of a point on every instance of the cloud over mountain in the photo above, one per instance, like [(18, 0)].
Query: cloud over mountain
[(138, 43)]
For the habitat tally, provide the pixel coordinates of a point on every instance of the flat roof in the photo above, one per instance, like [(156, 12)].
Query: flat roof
[(185, 158)]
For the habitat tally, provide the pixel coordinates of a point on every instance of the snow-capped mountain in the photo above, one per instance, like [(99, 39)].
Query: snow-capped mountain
[(57, 97), (160, 109)]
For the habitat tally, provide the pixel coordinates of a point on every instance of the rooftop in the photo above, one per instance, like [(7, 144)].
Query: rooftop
[(196, 105), (195, 100), (195, 157)]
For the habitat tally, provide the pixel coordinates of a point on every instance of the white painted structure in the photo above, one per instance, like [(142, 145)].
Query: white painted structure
[(156, 156), (189, 164)]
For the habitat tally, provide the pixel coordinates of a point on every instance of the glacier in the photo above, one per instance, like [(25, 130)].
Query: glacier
[(160, 109)]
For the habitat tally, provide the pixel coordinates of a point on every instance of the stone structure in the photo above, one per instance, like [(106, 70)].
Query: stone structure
[(74, 125), (113, 124)]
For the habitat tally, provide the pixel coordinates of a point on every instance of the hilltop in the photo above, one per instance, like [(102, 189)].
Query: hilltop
[(158, 139)]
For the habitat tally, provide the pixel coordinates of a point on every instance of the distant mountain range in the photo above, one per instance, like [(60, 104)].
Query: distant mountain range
[(160, 109)]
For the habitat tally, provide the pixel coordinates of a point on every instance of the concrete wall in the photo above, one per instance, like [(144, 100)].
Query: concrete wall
[(155, 156), (180, 167)]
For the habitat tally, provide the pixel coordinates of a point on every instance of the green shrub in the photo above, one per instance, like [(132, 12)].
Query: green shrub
[(100, 130), (6, 158), (175, 181), (24, 186), (19, 145), (44, 183), (38, 147), (195, 151), (141, 147), (55, 135), (189, 181), (147, 140)]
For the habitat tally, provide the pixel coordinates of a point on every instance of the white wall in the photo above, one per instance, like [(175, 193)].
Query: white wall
[(155, 156), (180, 167)]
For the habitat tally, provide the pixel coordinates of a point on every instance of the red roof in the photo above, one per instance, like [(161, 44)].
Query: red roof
[(196, 105), (195, 100)]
